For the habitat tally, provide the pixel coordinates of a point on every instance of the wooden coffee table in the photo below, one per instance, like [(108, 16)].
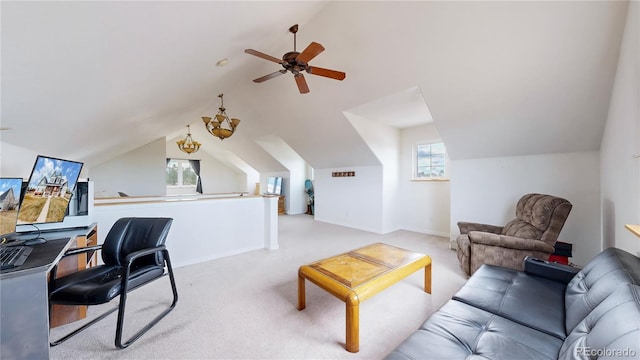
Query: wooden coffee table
[(358, 275)]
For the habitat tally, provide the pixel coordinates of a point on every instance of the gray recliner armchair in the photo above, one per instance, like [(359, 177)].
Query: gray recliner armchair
[(534, 232)]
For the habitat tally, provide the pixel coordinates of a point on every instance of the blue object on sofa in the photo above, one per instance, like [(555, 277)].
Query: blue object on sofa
[(502, 313)]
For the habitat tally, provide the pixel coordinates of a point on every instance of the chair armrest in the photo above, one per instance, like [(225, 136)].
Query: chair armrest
[(510, 242), (129, 261), (465, 227), (82, 250), (136, 254), (70, 252), (549, 270)]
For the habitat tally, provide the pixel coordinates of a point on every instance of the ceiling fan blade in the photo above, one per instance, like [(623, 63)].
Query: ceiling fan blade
[(269, 76), (302, 83), (310, 52), (263, 55), (333, 74)]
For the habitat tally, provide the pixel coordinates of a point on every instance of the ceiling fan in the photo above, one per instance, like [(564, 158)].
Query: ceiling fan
[(297, 63)]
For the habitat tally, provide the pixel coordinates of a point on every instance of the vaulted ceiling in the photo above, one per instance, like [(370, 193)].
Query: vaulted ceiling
[(92, 80)]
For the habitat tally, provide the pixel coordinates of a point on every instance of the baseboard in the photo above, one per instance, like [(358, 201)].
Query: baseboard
[(351, 226), (427, 231), (217, 256), (378, 231)]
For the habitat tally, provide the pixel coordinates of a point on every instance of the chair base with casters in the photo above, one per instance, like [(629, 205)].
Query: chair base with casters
[(101, 284)]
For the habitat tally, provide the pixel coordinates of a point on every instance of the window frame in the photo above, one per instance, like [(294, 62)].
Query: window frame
[(180, 184), (414, 162)]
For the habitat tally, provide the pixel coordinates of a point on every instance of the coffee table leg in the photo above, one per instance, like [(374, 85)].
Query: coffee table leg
[(427, 279), (353, 325), (301, 293)]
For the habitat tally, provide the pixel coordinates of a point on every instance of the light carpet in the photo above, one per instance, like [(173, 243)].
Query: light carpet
[(244, 306)]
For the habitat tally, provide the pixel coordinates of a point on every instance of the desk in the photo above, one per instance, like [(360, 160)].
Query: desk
[(24, 300)]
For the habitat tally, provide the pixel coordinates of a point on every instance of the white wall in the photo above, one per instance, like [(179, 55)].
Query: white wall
[(487, 190), (216, 176), (384, 141), (424, 205), (620, 172), (384, 199), (293, 179), (284, 190), (192, 237), (140, 172), (17, 161), (350, 201), (296, 197)]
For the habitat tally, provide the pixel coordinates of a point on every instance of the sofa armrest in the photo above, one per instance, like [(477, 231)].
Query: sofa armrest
[(465, 227), (549, 270), (510, 242)]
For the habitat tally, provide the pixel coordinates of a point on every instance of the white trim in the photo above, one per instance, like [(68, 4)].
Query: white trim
[(414, 161)]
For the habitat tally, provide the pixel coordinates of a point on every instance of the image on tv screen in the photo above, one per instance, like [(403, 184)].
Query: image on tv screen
[(49, 190), (9, 201), (274, 185)]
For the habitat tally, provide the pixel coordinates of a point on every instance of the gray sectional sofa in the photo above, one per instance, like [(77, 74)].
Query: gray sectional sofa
[(547, 311)]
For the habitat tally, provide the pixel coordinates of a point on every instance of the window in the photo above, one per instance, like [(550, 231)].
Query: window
[(180, 173), (429, 161)]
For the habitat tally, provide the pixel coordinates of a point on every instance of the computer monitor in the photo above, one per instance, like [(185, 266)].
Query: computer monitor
[(9, 202), (79, 205), (49, 190)]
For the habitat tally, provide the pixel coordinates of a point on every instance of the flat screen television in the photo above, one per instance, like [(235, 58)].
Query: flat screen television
[(49, 191), (274, 185), (10, 189)]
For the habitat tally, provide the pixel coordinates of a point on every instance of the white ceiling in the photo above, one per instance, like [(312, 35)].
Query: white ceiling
[(402, 110), (93, 80)]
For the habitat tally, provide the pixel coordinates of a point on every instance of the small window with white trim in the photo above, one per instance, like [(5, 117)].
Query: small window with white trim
[(181, 174), (429, 161)]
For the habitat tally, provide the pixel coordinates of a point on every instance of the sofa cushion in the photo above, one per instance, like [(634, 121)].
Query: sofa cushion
[(529, 300), (599, 278), (611, 330), (461, 331)]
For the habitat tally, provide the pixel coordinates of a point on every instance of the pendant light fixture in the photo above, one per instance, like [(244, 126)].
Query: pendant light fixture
[(221, 126), (188, 145)]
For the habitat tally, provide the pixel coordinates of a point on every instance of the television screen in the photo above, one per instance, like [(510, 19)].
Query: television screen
[(9, 201), (274, 185), (49, 190), (278, 189)]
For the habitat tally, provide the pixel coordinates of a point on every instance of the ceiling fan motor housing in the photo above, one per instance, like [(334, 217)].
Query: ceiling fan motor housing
[(297, 63), (291, 64)]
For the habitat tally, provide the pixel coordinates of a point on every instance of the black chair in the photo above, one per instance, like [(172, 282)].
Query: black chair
[(134, 255)]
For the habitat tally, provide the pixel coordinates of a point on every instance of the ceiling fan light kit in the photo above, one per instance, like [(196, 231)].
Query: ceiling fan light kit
[(298, 63)]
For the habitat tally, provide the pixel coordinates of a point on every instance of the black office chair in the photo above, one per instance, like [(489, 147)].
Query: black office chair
[(134, 255)]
